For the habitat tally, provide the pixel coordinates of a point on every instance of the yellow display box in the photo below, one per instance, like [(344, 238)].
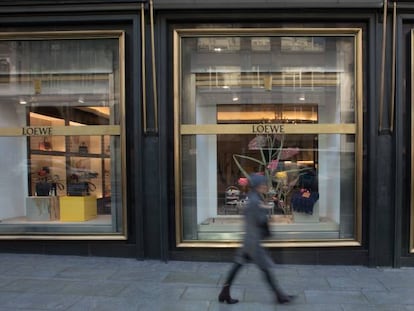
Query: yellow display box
[(77, 208)]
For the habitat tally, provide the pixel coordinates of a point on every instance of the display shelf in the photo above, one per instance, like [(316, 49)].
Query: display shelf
[(69, 154), (71, 159)]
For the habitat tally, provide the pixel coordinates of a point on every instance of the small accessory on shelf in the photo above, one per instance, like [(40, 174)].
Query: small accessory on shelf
[(83, 148), (80, 188), (45, 145)]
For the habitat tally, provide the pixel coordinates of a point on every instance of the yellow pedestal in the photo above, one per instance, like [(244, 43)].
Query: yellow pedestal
[(74, 208)]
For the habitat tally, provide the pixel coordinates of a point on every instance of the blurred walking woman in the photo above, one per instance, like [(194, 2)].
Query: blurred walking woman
[(256, 229)]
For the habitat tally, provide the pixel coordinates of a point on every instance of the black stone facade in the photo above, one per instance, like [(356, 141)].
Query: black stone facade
[(150, 161)]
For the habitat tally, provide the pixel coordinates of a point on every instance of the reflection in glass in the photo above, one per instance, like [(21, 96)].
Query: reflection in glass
[(295, 72), (311, 193)]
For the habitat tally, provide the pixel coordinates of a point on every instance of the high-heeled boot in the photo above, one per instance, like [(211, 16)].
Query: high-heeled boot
[(224, 295), (283, 298)]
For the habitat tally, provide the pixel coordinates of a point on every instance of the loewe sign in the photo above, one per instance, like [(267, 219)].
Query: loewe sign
[(268, 128), (37, 131)]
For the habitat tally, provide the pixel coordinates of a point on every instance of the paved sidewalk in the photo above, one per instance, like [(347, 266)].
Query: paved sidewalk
[(39, 282)]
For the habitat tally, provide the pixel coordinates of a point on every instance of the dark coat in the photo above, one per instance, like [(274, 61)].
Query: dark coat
[(256, 228)]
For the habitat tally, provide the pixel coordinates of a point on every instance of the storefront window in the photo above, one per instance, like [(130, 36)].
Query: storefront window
[(286, 104), (61, 114)]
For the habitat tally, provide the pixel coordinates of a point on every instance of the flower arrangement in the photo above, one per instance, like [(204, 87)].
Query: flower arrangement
[(281, 179)]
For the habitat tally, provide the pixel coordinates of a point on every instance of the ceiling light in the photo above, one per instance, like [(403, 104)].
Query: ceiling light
[(22, 102), (302, 98), (235, 98), (217, 49)]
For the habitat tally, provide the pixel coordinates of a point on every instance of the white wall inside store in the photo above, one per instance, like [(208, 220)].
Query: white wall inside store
[(13, 163), (206, 146)]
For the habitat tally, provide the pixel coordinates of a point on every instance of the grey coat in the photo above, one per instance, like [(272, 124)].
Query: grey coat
[(255, 217)]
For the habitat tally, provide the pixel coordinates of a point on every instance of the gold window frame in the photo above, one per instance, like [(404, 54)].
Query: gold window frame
[(412, 149), (206, 129), (112, 130)]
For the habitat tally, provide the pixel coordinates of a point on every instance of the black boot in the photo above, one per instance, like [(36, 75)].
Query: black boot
[(224, 295), (283, 298)]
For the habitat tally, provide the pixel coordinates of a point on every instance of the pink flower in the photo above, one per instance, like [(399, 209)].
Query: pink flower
[(273, 165), (257, 143), (243, 181), (288, 153)]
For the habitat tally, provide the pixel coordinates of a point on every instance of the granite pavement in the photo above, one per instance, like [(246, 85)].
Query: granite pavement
[(49, 282)]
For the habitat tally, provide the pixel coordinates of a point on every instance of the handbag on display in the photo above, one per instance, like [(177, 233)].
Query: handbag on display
[(45, 145), (82, 188), (304, 200), (83, 148), (43, 188)]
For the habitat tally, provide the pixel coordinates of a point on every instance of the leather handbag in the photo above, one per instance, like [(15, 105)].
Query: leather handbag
[(83, 188)]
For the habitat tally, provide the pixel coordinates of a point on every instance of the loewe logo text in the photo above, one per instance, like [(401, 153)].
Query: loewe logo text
[(37, 131), (268, 128)]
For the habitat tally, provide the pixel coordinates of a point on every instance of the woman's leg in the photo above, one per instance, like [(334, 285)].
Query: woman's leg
[(281, 296), (232, 273), (224, 295), (265, 262)]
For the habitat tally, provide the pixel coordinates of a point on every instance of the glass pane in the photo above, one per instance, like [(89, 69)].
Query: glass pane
[(296, 75), (68, 183), (311, 182), (266, 81)]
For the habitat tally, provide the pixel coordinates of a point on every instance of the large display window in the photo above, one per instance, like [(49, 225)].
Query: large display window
[(61, 134), (286, 103)]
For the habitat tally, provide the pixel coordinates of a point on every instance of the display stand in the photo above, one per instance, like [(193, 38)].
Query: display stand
[(42, 208), (78, 208), (304, 217)]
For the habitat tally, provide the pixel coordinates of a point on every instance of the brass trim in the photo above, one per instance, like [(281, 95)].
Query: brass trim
[(123, 134), (177, 136), (86, 236), (154, 68), (215, 32), (382, 78), (143, 70), (393, 69), (207, 129), (211, 129), (62, 35), (359, 147), (232, 244), (66, 130)]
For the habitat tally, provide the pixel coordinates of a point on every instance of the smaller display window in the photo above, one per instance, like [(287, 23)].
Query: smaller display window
[(61, 120)]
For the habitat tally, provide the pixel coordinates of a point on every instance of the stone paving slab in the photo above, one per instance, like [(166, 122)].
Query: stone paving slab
[(335, 297), (353, 307), (155, 291), (41, 282), (394, 297), (41, 301)]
